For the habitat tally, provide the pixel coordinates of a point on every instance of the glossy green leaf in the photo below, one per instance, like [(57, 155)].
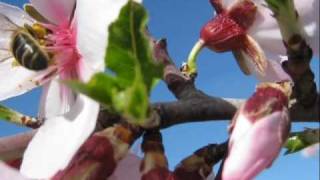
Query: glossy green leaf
[(131, 71), (300, 140)]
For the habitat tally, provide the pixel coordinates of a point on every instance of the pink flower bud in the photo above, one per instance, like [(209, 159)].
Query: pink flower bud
[(258, 132)]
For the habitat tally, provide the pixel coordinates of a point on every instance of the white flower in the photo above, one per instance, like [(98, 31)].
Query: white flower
[(77, 40)]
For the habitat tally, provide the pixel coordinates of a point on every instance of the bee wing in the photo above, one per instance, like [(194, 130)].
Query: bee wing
[(16, 15), (11, 19), (16, 80), (4, 55), (7, 28)]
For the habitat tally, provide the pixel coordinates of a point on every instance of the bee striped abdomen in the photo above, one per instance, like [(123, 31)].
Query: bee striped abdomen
[(28, 53)]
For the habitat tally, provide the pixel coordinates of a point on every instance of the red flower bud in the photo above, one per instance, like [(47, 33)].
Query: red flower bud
[(94, 159), (222, 34)]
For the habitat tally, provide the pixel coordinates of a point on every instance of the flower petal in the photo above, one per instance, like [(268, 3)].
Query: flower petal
[(266, 31), (16, 80), (56, 11), (92, 20), (59, 138), (311, 151), (310, 20), (273, 72), (248, 155), (56, 99), (251, 53), (243, 125), (7, 173)]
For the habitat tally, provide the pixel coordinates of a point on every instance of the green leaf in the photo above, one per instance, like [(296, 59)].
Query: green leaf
[(131, 72), (129, 51), (101, 88), (300, 140), (137, 107)]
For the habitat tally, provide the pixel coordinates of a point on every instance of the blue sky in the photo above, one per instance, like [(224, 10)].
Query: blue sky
[(180, 21)]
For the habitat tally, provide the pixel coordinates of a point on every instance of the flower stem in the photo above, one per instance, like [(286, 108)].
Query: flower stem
[(190, 68)]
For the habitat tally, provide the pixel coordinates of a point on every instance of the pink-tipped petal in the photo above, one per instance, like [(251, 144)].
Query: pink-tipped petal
[(7, 173), (95, 16), (56, 99), (16, 80), (59, 138), (56, 11)]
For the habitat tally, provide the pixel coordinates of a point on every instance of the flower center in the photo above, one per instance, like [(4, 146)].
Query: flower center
[(60, 43)]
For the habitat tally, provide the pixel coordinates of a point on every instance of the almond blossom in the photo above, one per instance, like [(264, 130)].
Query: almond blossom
[(247, 28), (76, 38), (258, 131)]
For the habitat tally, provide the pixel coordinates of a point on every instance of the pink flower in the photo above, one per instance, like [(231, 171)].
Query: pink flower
[(76, 38), (258, 132)]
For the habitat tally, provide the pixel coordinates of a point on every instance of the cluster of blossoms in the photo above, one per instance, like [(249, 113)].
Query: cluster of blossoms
[(248, 29), (76, 38)]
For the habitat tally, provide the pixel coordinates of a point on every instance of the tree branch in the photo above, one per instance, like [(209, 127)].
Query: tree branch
[(299, 52), (212, 109), (206, 109), (181, 86)]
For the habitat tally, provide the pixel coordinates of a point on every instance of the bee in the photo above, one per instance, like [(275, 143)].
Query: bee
[(23, 42)]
